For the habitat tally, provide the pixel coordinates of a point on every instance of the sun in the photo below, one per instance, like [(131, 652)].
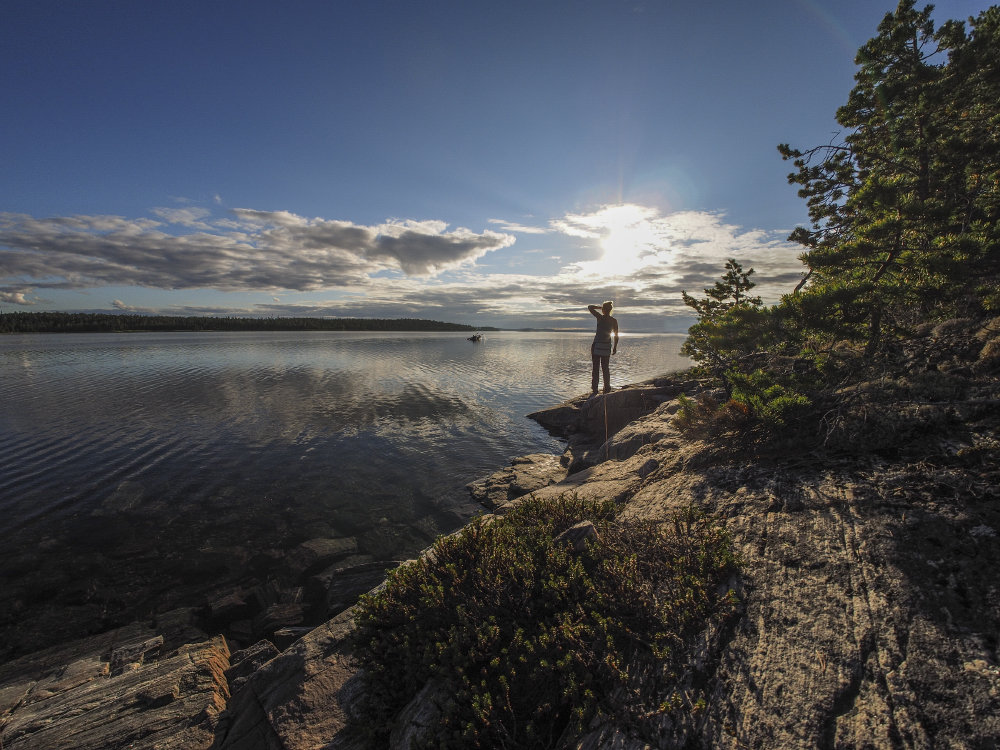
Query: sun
[(628, 236)]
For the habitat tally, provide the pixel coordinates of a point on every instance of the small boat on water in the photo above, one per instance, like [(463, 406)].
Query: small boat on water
[(476, 337)]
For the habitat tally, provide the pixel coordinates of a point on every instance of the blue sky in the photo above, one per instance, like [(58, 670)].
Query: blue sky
[(490, 163)]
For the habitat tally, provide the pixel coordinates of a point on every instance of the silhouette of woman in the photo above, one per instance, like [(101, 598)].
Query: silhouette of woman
[(602, 348)]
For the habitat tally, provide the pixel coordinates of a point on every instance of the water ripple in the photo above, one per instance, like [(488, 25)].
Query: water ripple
[(168, 444)]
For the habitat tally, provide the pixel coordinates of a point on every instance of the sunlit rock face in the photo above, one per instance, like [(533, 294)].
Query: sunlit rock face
[(525, 474)]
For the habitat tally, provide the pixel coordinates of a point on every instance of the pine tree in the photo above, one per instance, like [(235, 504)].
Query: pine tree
[(904, 207), (971, 145), (728, 292), (731, 324)]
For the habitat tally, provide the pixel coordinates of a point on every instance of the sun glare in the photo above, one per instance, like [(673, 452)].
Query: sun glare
[(628, 237)]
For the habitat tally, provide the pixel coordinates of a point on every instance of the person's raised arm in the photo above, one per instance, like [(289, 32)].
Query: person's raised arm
[(595, 310)]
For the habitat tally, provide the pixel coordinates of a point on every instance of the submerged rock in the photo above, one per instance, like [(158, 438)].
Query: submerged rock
[(315, 554)]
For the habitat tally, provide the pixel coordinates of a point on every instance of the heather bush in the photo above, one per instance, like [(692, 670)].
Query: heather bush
[(525, 639)]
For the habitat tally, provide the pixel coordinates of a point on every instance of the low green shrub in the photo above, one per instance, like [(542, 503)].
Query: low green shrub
[(771, 402), (759, 409), (525, 639), (706, 418)]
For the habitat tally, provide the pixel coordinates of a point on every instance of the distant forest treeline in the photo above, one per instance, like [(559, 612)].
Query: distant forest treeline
[(60, 322)]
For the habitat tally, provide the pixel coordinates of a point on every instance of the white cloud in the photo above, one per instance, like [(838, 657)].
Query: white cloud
[(188, 217), (12, 297), (252, 250), (510, 226), (424, 249)]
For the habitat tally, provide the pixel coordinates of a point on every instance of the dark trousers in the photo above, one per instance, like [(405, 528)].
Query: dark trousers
[(601, 364)]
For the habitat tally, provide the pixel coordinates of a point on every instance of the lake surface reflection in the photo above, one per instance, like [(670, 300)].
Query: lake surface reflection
[(143, 471)]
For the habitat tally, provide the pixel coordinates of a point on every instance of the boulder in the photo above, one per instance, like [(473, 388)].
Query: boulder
[(229, 608), (577, 535), (278, 616), (300, 699), (319, 583), (604, 415), (614, 425), (598, 417)]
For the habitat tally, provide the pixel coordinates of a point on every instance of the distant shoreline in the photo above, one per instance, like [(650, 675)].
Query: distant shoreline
[(59, 322), (62, 322)]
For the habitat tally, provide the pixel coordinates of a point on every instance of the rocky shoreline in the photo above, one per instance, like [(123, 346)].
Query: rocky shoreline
[(870, 616)]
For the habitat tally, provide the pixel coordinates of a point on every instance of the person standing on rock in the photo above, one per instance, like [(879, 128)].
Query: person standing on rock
[(603, 347)]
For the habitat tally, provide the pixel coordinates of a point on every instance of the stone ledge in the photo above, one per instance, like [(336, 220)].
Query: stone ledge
[(169, 703)]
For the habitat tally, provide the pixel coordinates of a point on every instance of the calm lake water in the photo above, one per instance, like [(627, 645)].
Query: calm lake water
[(140, 470)]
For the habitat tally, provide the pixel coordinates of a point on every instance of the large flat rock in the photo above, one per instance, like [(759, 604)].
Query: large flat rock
[(115, 691), (871, 607), (598, 417), (591, 424)]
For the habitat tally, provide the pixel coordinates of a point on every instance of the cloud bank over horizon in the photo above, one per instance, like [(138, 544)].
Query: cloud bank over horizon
[(277, 263), (251, 250)]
